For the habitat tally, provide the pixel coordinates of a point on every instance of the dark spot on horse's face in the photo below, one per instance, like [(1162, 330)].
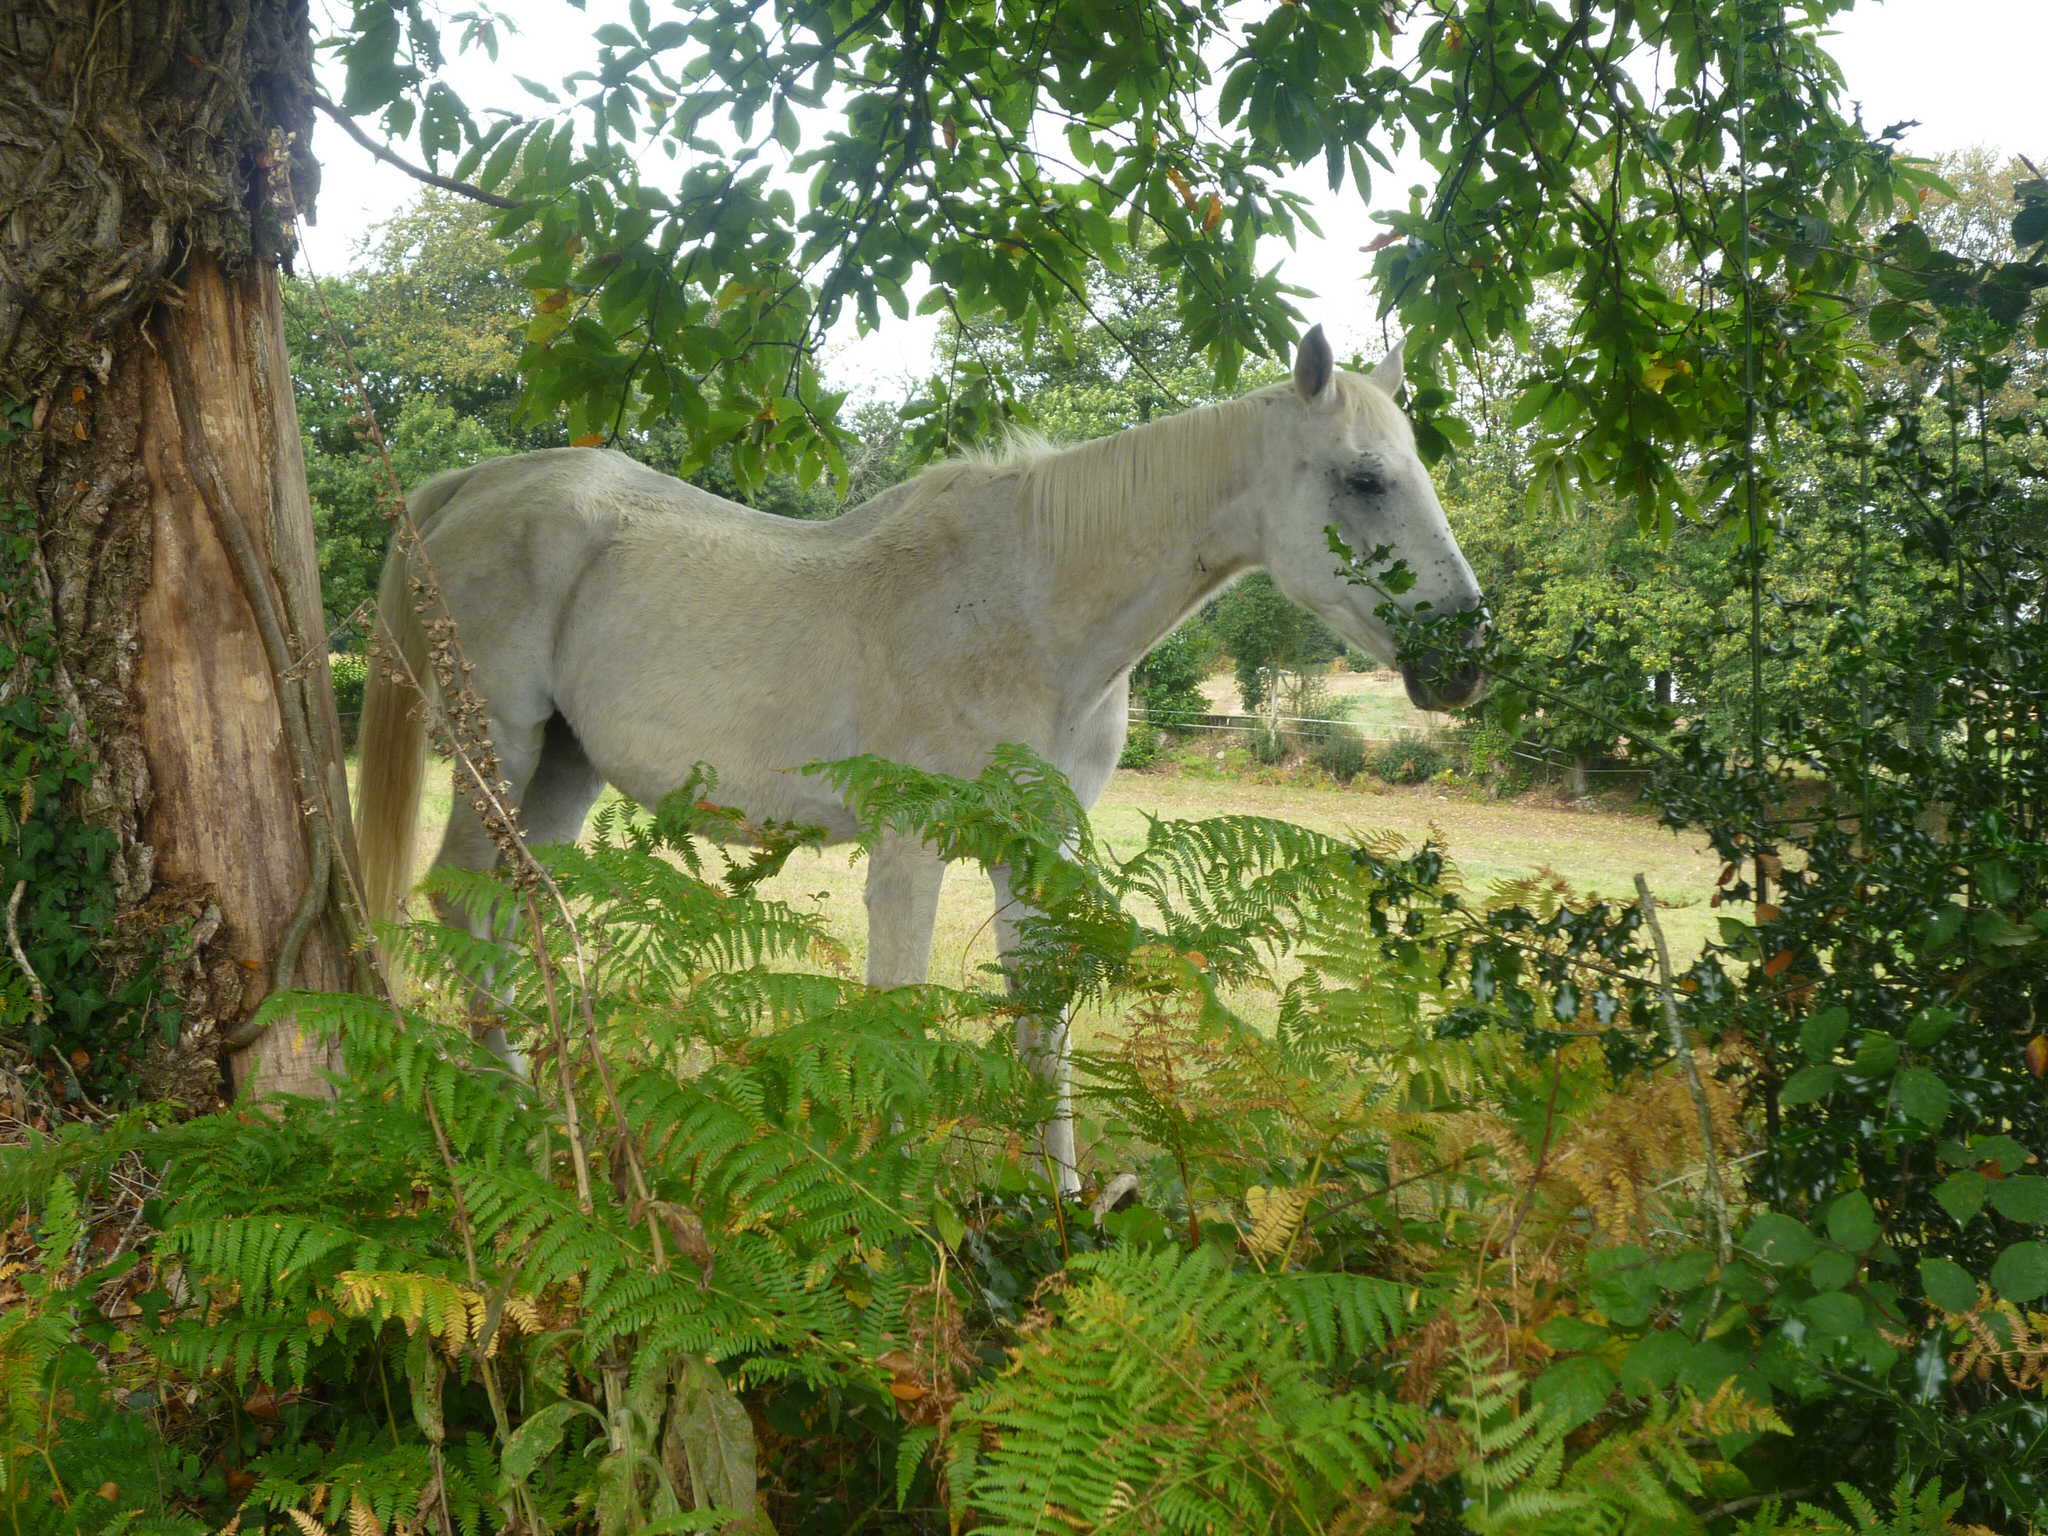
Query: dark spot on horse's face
[(1365, 481), (1357, 487)]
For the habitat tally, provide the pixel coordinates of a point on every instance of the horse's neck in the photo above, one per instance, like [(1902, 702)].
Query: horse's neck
[(1138, 539)]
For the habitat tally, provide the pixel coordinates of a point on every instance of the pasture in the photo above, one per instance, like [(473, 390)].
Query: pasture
[(1598, 852)]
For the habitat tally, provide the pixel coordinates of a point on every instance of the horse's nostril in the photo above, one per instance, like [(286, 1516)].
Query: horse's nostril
[(1434, 686)]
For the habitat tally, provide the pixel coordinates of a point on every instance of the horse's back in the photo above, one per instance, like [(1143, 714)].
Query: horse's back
[(510, 540)]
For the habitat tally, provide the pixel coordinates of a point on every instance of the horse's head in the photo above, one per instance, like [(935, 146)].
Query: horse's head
[(1344, 457)]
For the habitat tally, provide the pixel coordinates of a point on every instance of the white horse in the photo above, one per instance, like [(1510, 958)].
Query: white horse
[(624, 626)]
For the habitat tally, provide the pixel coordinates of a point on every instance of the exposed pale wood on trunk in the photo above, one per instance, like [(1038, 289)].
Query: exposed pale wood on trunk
[(225, 813)]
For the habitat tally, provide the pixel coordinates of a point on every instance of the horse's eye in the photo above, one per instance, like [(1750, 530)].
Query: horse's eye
[(1364, 482)]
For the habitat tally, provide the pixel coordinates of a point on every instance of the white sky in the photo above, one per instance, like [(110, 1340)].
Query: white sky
[(1967, 70)]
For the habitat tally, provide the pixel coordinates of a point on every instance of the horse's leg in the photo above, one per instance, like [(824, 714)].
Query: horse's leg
[(904, 877), (1043, 1045), (468, 845), (563, 789)]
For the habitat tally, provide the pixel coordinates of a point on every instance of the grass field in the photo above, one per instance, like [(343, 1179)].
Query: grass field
[(1375, 702), (1597, 851)]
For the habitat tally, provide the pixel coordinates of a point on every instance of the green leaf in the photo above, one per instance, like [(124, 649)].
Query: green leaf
[(2021, 1272), (535, 1439), (1948, 1285), (716, 1438), (1832, 1270), (1834, 1314), (2023, 1199), (1685, 1272), (1852, 1221), (1622, 1284), (423, 1376), (1822, 1032), (2002, 1150), (1569, 1334), (1779, 1239), (1655, 1360), (1808, 1085), (1962, 1195), (1574, 1390), (1929, 1025), (1892, 319), (1922, 1096)]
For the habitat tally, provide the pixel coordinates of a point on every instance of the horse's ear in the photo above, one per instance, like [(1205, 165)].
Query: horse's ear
[(1386, 373), (1313, 365)]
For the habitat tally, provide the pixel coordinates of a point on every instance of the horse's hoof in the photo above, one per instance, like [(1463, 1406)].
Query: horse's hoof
[(1118, 1193)]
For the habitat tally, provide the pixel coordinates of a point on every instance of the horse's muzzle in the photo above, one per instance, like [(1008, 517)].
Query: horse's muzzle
[(1435, 683)]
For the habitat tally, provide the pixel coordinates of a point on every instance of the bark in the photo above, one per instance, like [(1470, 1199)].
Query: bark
[(147, 154)]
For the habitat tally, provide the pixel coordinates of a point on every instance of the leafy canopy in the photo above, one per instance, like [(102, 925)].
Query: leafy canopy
[(731, 179)]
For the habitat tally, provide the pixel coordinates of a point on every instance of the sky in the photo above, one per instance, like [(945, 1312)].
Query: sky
[(1967, 70)]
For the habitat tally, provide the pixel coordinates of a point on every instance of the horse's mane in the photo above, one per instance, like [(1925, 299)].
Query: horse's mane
[(1178, 465)]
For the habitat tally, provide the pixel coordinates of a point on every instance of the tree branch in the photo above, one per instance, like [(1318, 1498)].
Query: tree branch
[(445, 183)]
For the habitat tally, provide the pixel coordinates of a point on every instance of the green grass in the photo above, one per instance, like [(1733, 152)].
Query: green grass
[(1598, 852)]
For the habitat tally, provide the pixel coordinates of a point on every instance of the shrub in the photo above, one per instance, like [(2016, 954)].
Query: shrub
[(1408, 761), (1341, 754), (350, 673), (1270, 744), (1306, 696), (1141, 746), (1167, 684)]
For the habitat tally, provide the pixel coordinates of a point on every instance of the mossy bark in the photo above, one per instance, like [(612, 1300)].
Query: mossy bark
[(150, 153)]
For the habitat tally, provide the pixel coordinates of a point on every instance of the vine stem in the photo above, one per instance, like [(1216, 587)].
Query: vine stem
[(1717, 1198), (38, 997)]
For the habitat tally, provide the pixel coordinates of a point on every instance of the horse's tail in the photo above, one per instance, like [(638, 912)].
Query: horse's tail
[(393, 735)]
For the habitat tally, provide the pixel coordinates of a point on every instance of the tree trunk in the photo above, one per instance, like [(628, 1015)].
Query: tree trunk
[(163, 636)]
